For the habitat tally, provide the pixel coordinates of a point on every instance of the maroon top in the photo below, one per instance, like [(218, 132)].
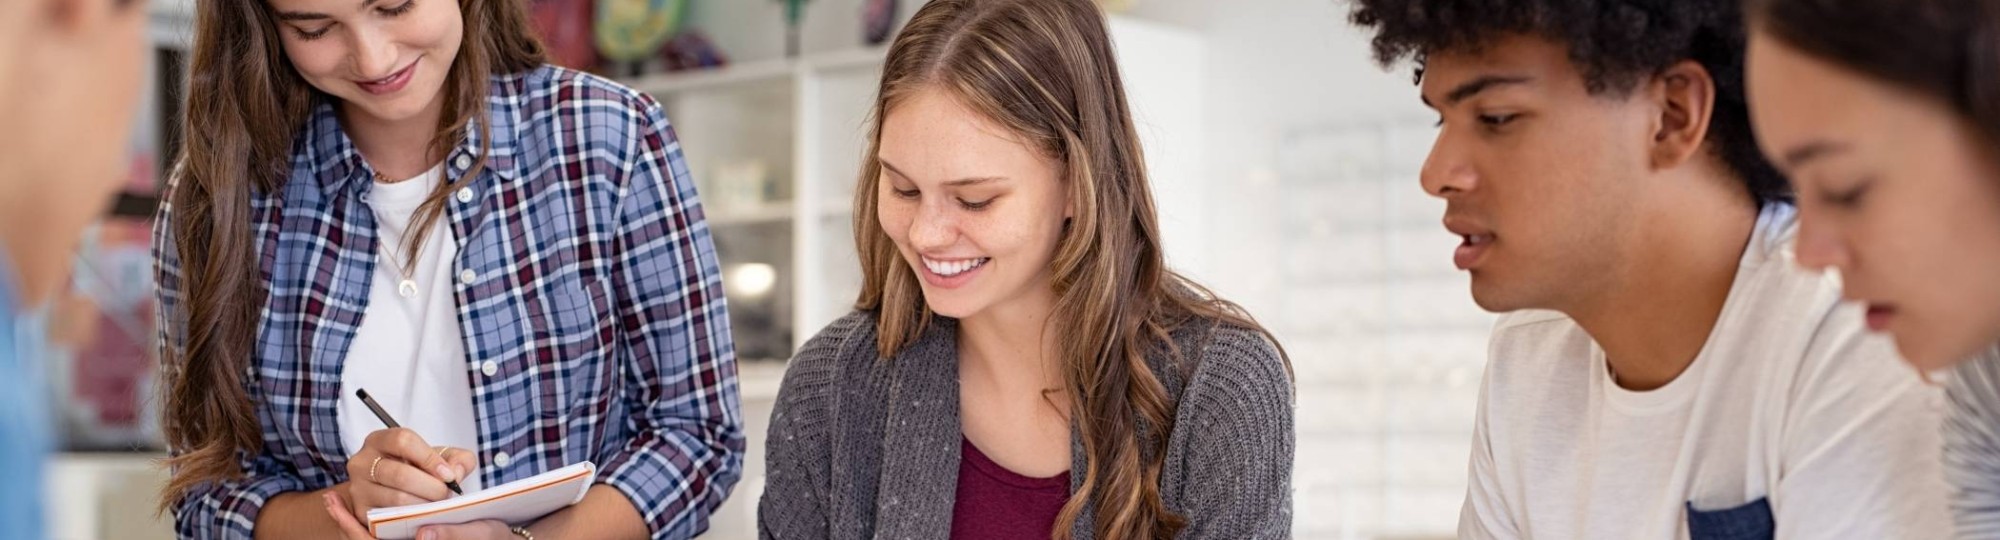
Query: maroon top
[(998, 504)]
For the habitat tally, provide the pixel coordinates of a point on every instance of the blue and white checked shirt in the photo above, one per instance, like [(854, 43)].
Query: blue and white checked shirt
[(588, 294)]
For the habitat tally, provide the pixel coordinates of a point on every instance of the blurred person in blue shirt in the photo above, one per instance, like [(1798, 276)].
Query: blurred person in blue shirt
[(70, 75)]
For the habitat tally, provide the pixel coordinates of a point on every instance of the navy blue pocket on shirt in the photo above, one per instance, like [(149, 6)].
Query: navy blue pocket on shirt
[(1747, 522)]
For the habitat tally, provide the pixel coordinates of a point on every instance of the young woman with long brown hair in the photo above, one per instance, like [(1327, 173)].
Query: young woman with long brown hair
[(1021, 363), (400, 196)]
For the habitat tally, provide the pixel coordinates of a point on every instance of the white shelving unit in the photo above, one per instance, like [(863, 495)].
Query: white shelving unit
[(106, 495), (774, 145)]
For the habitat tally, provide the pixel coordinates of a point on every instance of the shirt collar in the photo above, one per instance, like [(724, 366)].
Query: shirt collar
[(330, 157)]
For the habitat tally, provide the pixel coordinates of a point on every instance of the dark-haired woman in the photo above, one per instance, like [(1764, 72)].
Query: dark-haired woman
[(400, 196), (1886, 115)]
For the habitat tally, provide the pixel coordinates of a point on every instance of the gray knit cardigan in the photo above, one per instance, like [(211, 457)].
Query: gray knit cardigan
[(866, 448)]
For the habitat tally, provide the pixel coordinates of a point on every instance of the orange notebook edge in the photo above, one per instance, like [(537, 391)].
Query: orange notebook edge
[(374, 527)]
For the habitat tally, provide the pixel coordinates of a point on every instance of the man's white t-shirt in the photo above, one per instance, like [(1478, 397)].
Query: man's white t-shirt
[(408, 352), (1790, 401)]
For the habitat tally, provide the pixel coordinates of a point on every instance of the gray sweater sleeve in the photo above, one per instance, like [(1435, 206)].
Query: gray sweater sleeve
[(1972, 445), (1235, 427), (797, 484)]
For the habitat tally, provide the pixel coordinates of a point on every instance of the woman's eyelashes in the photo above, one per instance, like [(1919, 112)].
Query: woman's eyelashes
[(393, 11), (912, 194), (405, 7), (309, 35), (1846, 198)]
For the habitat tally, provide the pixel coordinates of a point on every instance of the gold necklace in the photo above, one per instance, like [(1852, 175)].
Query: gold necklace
[(407, 288)]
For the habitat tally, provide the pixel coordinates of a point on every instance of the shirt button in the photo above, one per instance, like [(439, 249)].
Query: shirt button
[(502, 459), (465, 194), (489, 368), (463, 161), (467, 277)]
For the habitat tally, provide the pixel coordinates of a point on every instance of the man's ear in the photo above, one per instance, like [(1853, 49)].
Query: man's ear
[(1685, 94)]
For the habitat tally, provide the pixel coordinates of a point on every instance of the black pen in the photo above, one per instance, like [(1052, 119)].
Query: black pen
[(384, 416)]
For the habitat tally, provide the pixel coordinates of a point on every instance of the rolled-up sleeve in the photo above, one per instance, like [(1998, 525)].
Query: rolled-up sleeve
[(228, 509)]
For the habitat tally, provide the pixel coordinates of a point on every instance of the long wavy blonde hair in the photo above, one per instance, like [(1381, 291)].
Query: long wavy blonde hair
[(1044, 70)]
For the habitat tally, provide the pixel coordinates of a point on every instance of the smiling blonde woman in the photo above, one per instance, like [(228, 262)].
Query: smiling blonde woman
[(1021, 363)]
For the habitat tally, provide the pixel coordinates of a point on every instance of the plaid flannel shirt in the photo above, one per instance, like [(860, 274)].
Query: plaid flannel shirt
[(588, 294)]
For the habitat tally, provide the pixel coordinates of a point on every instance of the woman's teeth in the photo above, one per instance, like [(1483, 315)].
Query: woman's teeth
[(953, 268)]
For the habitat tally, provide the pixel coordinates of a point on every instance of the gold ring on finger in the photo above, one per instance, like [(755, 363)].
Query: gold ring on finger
[(371, 469)]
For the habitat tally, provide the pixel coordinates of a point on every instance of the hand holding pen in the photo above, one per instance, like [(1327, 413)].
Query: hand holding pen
[(396, 467)]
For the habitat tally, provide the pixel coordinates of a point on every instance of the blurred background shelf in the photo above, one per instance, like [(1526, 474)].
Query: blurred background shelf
[(107, 495), (760, 214), (760, 72)]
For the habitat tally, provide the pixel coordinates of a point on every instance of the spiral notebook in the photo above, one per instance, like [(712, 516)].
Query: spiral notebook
[(516, 503)]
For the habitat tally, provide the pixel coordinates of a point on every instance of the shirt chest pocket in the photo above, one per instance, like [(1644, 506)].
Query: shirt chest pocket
[(573, 320), (577, 308), (1750, 521), (575, 341)]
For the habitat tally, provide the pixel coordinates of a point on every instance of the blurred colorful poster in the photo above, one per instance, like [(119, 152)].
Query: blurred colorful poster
[(102, 331), (565, 27)]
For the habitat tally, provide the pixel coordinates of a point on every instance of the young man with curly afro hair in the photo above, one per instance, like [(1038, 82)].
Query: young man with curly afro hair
[(1664, 369)]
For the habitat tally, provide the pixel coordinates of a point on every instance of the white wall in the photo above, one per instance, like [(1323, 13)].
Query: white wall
[(1317, 225)]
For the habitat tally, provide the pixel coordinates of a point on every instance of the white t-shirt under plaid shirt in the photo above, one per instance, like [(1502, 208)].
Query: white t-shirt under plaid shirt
[(408, 353)]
